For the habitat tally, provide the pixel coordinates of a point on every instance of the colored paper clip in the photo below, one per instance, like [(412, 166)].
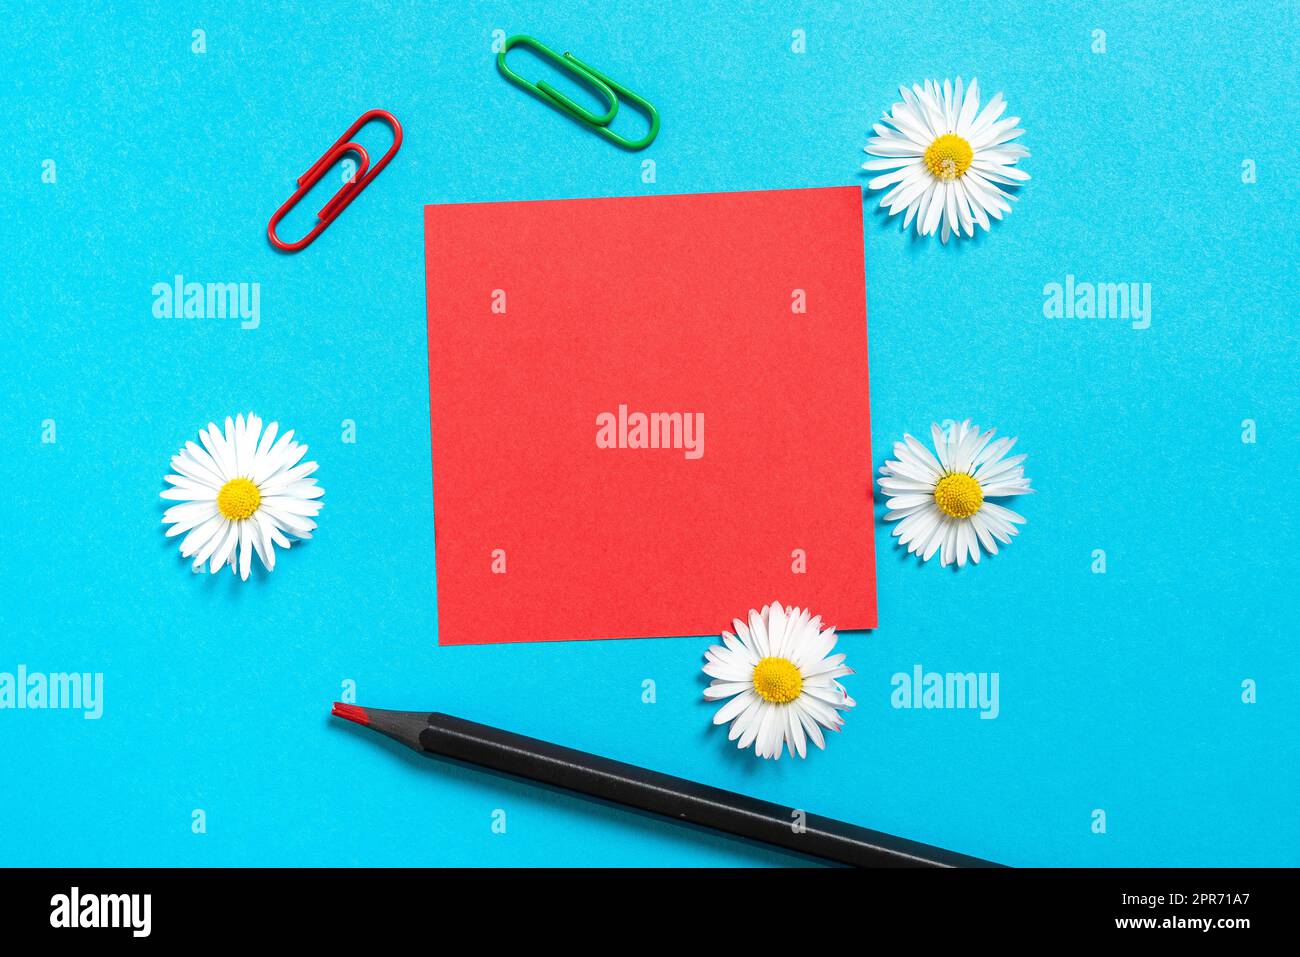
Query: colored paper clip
[(611, 91), (348, 192)]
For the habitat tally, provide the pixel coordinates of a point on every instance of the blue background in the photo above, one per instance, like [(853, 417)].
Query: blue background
[(1119, 691)]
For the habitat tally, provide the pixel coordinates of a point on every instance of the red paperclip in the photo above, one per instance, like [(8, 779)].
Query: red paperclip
[(348, 192)]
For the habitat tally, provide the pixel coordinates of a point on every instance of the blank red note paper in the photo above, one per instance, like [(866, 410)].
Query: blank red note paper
[(649, 414)]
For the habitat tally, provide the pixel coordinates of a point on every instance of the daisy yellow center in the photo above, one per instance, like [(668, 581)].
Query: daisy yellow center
[(948, 157), (777, 680), (238, 499), (958, 495)]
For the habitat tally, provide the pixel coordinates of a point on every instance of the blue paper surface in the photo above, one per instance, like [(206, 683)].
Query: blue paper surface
[(1120, 692)]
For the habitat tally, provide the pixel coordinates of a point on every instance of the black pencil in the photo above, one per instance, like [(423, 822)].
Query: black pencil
[(645, 790)]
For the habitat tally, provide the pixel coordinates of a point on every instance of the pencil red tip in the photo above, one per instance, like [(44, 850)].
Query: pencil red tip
[(352, 712)]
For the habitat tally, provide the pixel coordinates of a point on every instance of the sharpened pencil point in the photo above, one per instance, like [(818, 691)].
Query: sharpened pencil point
[(352, 712)]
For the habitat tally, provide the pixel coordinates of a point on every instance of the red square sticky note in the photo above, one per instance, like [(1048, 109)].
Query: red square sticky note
[(649, 415)]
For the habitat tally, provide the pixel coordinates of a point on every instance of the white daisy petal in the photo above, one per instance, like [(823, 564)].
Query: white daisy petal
[(914, 130), (265, 442), (825, 667), (1003, 489), (914, 111), (1000, 468), (735, 706), (970, 103), (972, 543), (727, 672), (881, 146), (205, 551), (938, 541), (820, 711), (810, 654), (893, 162), (995, 108), (1003, 513), (811, 727), (178, 513), (293, 506), (725, 689), (992, 453), (237, 443), (940, 446), (995, 135), (982, 532), (893, 484), (917, 528), (976, 207), (913, 471), (245, 550), (758, 632), (923, 454), (267, 551), (272, 530), (308, 490), (259, 542), (1006, 175), (889, 179), (181, 481), (962, 550), (770, 731), (192, 519), (189, 494), (934, 214), (253, 432), (739, 649), (225, 549), (896, 514), (232, 451), (794, 735), (907, 501), (192, 470), (201, 459), (200, 535), (985, 194), (271, 462), (964, 216), (752, 725), (216, 445), (930, 105), (297, 525)]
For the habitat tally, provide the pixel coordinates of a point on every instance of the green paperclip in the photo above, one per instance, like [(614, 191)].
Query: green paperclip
[(554, 98)]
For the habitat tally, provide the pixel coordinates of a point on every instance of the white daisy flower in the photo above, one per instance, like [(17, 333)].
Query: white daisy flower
[(943, 502), (948, 159), (780, 680), (241, 492)]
